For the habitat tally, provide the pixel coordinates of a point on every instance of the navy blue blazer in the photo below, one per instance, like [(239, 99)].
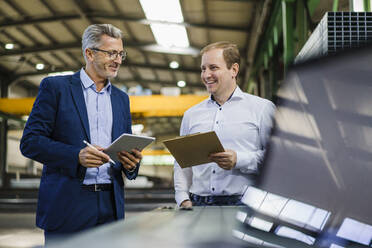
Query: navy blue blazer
[(53, 136)]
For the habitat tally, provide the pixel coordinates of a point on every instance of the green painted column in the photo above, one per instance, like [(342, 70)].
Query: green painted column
[(288, 31), (275, 36), (301, 24), (335, 6), (367, 5)]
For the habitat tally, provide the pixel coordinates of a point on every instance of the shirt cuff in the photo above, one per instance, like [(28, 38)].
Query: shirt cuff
[(181, 196), (246, 162)]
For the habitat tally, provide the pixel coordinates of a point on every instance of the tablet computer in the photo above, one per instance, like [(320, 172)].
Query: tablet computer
[(127, 142)]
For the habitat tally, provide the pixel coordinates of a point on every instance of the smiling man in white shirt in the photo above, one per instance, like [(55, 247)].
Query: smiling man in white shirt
[(242, 122)]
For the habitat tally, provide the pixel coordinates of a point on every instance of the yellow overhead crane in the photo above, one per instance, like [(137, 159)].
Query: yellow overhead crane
[(141, 106)]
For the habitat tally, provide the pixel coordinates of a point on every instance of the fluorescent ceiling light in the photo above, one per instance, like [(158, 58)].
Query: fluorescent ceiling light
[(61, 73), (174, 65), (164, 10), (173, 50), (181, 84), (39, 66), (169, 35), (9, 46)]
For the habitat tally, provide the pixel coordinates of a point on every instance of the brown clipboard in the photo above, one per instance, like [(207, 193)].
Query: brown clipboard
[(194, 149)]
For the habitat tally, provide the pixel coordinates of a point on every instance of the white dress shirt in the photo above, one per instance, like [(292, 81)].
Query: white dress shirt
[(243, 124)]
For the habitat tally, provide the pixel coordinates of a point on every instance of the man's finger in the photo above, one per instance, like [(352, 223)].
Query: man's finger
[(130, 157), (91, 157), (126, 160), (137, 153), (94, 161), (128, 166), (218, 154), (99, 148), (98, 154), (222, 160)]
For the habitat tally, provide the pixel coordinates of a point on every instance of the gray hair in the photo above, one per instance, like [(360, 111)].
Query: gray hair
[(93, 33)]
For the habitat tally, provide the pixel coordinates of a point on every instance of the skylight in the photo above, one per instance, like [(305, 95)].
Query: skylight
[(358, 6), (166, 34)]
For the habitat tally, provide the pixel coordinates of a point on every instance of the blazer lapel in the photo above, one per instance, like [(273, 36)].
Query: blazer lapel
[(78, 97), (115, 105)]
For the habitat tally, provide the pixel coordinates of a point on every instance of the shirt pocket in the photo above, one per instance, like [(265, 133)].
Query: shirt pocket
[(200, 127), (242, 132)]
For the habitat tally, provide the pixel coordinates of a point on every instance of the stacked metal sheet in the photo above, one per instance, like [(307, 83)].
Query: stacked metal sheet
[(336, 32)]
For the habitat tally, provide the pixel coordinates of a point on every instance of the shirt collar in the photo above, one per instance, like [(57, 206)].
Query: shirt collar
[(87, 82), (237, 94)]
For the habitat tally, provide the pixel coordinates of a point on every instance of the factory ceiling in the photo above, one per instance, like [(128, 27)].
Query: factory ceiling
[(40, 37), (46, 38), (48, 32)]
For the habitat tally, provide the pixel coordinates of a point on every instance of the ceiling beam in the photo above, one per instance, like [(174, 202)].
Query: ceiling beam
[(41, 48), (136, 65), (131, 64), (143, 46), (195, 85), (164, 83), (185, 24), (117, 16), (145, 81)]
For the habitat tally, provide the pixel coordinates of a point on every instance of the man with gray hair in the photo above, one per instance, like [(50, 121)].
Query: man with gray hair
[(79, 187)]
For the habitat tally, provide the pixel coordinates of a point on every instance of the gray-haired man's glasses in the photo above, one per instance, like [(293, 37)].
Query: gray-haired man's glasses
[(112, 54)]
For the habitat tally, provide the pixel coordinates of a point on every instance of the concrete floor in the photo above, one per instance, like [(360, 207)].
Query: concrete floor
[(17, 230)]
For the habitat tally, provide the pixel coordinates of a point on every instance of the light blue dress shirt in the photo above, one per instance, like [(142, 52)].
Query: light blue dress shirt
[(242, 124), (99, 111)]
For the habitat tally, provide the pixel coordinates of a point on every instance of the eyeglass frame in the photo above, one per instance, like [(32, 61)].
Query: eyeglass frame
[(112, 54)]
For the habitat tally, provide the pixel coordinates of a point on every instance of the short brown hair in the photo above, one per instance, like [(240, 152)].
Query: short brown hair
[(230, 52)]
